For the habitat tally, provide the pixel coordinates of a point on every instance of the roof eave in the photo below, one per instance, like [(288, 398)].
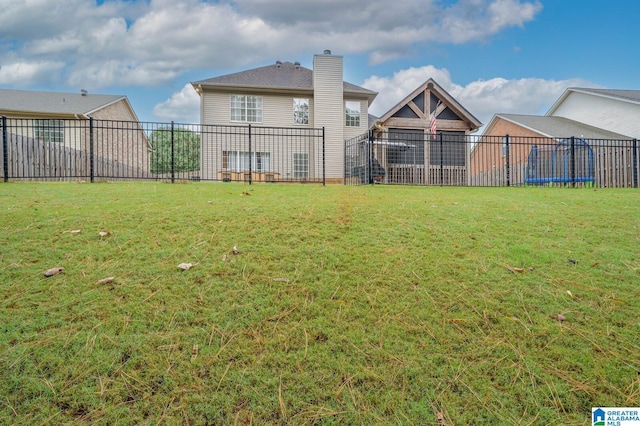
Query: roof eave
[(202, 87)]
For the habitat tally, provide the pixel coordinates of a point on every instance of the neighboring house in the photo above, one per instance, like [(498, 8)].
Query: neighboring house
[(55, 120), (539, 151), (284, 95), (406, 147), (617, 111)]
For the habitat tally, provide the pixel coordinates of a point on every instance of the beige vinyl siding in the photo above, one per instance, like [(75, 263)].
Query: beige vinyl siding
[(609, 114), (277, 111), (329, 110)]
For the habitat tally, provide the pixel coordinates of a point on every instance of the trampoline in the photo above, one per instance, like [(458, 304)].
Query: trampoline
[(569, 161)]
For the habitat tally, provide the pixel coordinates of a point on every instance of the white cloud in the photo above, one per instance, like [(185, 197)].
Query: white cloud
[(392, 90), (482, 98), (183, 106), (152, 42), (474, 20), (23, 74)]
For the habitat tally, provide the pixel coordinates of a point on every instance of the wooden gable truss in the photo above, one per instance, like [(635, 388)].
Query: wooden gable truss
[(414, 111)]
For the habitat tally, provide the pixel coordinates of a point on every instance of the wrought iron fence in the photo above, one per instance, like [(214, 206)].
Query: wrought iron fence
[(92, 149), (453, 159)]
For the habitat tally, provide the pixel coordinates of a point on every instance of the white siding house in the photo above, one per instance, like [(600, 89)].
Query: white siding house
[(612, 110), (284, 95)]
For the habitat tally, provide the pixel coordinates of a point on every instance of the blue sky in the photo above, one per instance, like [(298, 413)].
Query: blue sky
[(511, 56)]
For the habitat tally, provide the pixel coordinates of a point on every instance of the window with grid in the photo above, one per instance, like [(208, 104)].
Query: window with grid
[(300, 111), (352, 111), (49, 130), (238, 161), (300, 165), (246, 108)]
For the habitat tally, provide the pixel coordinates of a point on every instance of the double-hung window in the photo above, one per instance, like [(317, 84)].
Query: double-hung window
[(300, 165), (246, 108), (49, 130), (300, 111), (352, 114)]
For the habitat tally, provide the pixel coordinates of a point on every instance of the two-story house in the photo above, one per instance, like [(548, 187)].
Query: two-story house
[(282, 95)]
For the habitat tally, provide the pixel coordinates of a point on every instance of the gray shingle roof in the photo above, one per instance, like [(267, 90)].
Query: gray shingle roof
[(560, 127), (53, 102), (629, 95), (288, 76)]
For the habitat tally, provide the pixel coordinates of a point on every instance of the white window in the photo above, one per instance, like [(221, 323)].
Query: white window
[(300, 111), (238, 161), (49, 130), (504, 146), (352, 110), (300, 165), (246, 108)]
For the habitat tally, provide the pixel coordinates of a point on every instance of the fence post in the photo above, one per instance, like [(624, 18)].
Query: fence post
[(441, 161), (250, 157), (635, 163), (508, 162), (173, 155), (324, 163), (573, 161), (91, 153), (5, 150), (370, 159)]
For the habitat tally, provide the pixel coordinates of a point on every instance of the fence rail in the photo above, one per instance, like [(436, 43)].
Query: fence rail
[(92, 149), (454, 159)]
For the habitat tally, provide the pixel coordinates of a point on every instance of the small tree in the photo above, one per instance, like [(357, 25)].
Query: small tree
[(186, 150)]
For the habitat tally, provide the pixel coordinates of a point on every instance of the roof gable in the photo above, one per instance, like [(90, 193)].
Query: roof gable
[(441, 103), (631, 96), (54, 103)]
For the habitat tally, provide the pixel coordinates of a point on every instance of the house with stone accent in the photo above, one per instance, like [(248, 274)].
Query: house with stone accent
[(53, 128), (283, 95)]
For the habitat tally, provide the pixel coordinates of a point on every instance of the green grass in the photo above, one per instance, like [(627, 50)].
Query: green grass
[(346, 305)]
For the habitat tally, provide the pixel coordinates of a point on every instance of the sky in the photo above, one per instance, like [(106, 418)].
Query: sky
[(492, 56)]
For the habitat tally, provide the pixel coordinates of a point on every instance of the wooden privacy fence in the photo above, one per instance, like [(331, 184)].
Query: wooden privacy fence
[(30, 158)]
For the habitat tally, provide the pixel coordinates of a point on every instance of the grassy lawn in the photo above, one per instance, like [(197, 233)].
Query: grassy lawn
[(344, 305)]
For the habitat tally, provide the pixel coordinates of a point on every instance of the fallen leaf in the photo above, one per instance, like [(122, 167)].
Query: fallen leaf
[(245, 193), (569, 293), (593, 265), (106, 280), (440, 419), (514, 270), (75, 231), (575, 262), (194, 352), (235, 250), (281, 280), (558, 317), (224, 257), (104, 233), (53, 271), (209, 202), (185, 266)]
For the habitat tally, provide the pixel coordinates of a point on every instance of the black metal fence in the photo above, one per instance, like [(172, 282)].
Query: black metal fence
[(92, 149), (415, 157)]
